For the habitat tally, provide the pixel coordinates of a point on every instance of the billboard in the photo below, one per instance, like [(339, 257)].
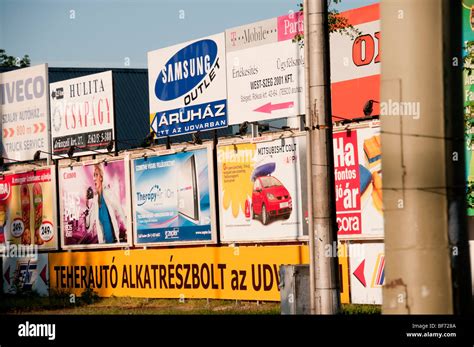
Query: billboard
[(173, 197), (187, 87), (265, 70), (95, 204), (468, 92), (355, 64), (22, 274), (262, 190), (240, 273), (28, 208), (367, 267), (82, 114), (24, 112), (358, 179)]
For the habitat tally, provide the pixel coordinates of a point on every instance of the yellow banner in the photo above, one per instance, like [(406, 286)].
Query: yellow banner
[(243, 273)]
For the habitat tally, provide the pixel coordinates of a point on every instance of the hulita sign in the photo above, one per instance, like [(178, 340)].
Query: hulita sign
[(82, 113)]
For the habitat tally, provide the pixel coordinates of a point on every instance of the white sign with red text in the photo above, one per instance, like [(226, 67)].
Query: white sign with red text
[(265, 70), (82, 114), (24, 112)]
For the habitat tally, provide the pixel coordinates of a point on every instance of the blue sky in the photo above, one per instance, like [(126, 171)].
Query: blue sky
[(112, 33)]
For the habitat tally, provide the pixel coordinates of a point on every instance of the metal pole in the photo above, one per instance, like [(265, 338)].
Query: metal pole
[(322, 215), (417, 252), (254, 129)]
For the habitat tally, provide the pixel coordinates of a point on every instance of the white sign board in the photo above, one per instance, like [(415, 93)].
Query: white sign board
[(26, 271), (367, 268), (24, 112), (82, 114), (265, 70), (187, 87)]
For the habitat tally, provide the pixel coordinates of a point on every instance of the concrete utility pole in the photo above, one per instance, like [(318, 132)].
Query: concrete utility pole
[(321, 201), (423, 158)]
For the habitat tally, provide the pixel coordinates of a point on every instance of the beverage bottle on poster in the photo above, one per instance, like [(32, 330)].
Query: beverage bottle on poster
[(38, 208), (25, 214)]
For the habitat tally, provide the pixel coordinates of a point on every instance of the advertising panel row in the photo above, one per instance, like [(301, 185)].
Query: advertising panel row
[(249, 73), (168, 198), (222, 273)]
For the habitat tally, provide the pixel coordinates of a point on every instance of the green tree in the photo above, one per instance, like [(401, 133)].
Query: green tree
[(337, 23), (11, 61)]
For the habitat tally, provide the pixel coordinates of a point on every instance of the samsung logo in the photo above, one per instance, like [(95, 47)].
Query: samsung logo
[(186, 70)]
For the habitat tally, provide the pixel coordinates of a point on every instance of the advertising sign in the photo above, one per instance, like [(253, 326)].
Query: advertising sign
[(187, 87), (24, 112), (367, 267), (82, 113), (173, 197), (95, 205), (355, 64), (358, 178), (262, 190), (26, 274), (242, 273), (265, 70), (28, 209), (468, 92)]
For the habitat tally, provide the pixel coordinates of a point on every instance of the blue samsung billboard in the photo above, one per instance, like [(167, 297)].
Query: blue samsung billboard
[(187, 84)]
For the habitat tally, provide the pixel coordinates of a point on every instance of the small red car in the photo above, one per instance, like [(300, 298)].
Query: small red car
[(270, 199)]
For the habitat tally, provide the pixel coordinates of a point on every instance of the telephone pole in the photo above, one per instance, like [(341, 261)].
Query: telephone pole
[(426, 249), (321, 201)]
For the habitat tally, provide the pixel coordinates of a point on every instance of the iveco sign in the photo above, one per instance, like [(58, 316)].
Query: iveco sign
[(188, 87)]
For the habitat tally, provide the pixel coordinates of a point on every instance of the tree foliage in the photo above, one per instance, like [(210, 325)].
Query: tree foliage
[(11, 61), (336, 21)]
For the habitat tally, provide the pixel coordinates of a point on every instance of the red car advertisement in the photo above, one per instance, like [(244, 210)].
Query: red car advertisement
[(262, 194)]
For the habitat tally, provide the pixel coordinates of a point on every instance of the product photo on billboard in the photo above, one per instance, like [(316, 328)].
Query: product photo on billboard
[(173, 197), (28, 209), (262, 192), (95, 204)]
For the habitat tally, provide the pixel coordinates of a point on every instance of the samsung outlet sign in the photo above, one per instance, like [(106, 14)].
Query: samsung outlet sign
[(187, 84)]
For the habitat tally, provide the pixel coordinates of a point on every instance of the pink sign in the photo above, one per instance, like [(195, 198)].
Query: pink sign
[(347, 179), (290, 25)]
